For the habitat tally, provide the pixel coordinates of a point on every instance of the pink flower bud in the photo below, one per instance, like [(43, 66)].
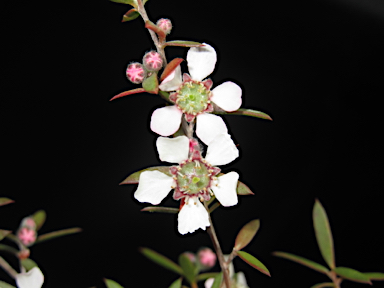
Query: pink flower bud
[(27, 236), (135, 73), (152, 61), (206, 257), (165, 25)]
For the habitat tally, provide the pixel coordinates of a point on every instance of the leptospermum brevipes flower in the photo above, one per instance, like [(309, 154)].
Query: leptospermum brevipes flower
[(193, 180)]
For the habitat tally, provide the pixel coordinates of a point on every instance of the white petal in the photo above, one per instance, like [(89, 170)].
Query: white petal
[(173, 150), (225, 191), (153, 187), (208, 126), (166, 120), (227, 96), (201, 61), (209, 282), (192, 217), (221, 150), (34, 278), (241, 280), (172, 81)]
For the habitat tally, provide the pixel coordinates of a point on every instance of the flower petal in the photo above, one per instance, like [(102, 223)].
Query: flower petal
[(34, 278), (227, 96), (221, 150), (201, 61), (153, 187), (208, 126), (225, 191), (192, 216), (241, 280), (166, 120), (172, 81), (209, 282), (173, 150)]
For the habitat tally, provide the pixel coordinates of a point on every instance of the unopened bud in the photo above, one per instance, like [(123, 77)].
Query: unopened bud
[(165, 25), (152, 61), (207, 258), (26, 236), (135, 73)]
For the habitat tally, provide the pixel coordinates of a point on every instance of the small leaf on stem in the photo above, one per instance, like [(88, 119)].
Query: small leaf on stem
[(39, 218), (161, 209), (188, 267), (130, 15), (5, 201), (352, 275), (246, 112), (130, 92), (252, 261), (55, 234), (4, 233), (152, 26), (217, 281), (151, 84), (134, 178), (183, 43), (246, 234), (161, 260), (177, 283), (112, 284), (205, 276), (170, 68)]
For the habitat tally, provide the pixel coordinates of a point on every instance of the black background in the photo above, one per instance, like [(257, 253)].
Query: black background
[(316, 67)]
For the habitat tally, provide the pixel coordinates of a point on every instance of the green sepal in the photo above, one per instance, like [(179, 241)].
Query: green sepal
[(5, 201), (161, 260), (352, 275), (134, 178), (39, 218), (55, 234), (218, 280), (28, 264), (4, 233), (302, 261), (252, 261), (246, 112), (126, 93), (170, 67), (246, 234), (323, 285), (243, 189), (6, 285), (165, 96), (377, 276), (205, 276), (129, 2), (130, 15), (182, 43), (151, 84), (111, 284), (161, 209), (323, 234), (177, 283), (189, 269)]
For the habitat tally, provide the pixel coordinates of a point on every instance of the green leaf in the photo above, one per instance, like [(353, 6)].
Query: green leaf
[(130, 15), (302, 261), (112, 284), (165, 96), (205, 276), (352, 275), (160, 32), (6, 285), (161, 260), (188, 267), (9, 249), (134, 178), (126, 93), (39, 218), (55, 234), (217, 281), (4, 233), (255, 263), (378, 276), (161, 209), (243, 189), (246, 234), (130, 2), (323, 285), (177, 283), (247, 112), (183, 43), (323, 234), (5, 201), (28, 264), (151, 84), (170, 68)]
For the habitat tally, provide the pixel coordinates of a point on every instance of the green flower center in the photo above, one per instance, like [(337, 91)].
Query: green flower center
[(193, 177), (192, 97)]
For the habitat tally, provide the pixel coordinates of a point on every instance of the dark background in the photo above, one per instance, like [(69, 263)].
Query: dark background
[(315, 66)]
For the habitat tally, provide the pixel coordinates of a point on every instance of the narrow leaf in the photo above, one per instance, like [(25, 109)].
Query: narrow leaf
[(130, 15), (112, 284), (55, 234), (323, 285), (247, 112), (28, 264), (5, 201), (377, 276), (39, 218), (151, 84), (183, 43), (9, 249), (4, 233), (177, 283), (352, 275), (161, 260), (205, 276), (246, 234), (255, 263), (302, 261), (217, 281), (6, 285), (126, 93), (188, 268), (170, 68), (134, 178), (323, 234), (161, 209), (130, 2), (160, 32)]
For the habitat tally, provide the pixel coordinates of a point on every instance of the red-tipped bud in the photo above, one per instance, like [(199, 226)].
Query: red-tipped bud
[(135, 73), (152, 61), (165, 25), (207, 258)]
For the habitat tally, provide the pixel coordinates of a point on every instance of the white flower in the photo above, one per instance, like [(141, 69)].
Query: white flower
[(192, 97), (194, 180), (34, 278)]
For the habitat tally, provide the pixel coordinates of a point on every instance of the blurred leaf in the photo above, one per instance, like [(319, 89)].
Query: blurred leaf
[(6, 285), (130, 15), (188, 268), (161, 209), (183, 43), (352, 275), (4, 233), (151, 84), (39, 218), (9, 249), (170, 68), (323, 234), (246, 234), (134, 178), (5, 201), (176, 284), (378, 276), (255, 263), (246, 112), (323, 285), (302, 261), (205, 276), (161, 260), (126, 93), (28, 264), (217, 281), (55, 234), (112, 284), (130, 2)]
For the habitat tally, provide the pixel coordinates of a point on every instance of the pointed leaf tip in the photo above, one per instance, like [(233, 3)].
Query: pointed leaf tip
[(134, 177), (130, 15), (246, 234), (111, 284), (252, 261), (126, 93), (39, 218), (161, 260), (5, 201)]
